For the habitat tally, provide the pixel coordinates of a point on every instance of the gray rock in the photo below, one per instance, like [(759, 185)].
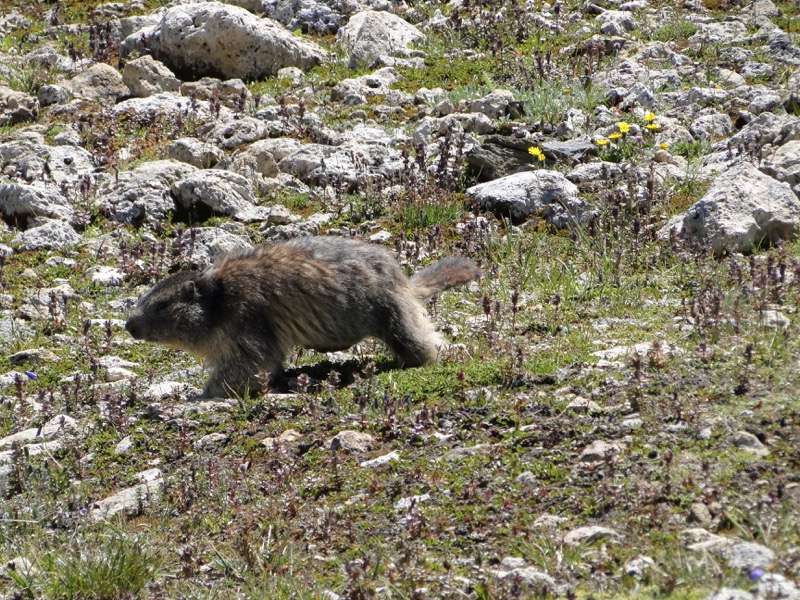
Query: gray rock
[(124, 446), (498, 156), (146, 76), (747, 441), (211, 38), (51, 94), (21, 202), (13, 330), (570, 151), (210, 440), (166, 104), (314, 16), (515, 569), (731, 594), (542, 193), (208, 243), (16, 107), (232, 93), (379, 461), (170, 390), (699, 513), (350, 164), (595, 175), (357, 90), (32, 159), (132, 499), (497, 104), (256, 160), (742, 209), (639, 567), (599, 451), (616, 22), (58, 426), (584, 406), (201, 154), (234, 131), (130, 25), (370, 34), (590, 533), (286, 438), (715, 32), (747, 555), (354, 441), (711, 126), (767, 101), (100, 83), (774, 319), (293, 74), (772, 586), (51, 235), (106, 276), (221, 192), (784, 163), (33, 356), (404, 504), (453, 125), (765, 8), (142, 195)]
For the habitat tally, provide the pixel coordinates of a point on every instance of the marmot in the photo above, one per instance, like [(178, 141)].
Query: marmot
[(244, 313)]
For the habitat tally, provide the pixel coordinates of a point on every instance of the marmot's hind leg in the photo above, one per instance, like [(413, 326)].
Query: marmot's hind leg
[(411, 335)]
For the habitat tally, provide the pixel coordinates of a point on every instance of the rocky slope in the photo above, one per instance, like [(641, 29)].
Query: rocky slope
[(618, 414)]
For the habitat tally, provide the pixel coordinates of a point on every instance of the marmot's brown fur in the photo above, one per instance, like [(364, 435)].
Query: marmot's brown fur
[(245, 313)]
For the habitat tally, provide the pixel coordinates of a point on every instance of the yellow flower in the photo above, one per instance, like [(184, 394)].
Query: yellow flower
[(537, 153), (567, 91), (649, 117), (664, 146), (614, 136), (624, 126), (653, 126), (601, 141)]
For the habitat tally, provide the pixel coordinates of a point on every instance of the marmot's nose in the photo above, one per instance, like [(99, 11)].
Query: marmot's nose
[(133, 328)]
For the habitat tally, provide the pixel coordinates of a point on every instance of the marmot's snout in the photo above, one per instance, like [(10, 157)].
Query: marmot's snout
[(135, 327)]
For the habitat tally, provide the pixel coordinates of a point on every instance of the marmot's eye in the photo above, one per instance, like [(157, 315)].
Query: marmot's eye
[(160, 305)]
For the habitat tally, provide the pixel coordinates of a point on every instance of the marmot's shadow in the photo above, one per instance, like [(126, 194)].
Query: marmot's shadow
[(319, 373)]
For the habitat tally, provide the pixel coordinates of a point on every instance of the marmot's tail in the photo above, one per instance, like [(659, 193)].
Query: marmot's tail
[(448, 272)]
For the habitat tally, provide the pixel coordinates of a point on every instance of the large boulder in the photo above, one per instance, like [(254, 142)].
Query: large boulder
[(211, 38), (16, 107), (784, 164), (142, 195), (146, 76), (100, 83), (743, 208), (307, 15), (542, 193), (50, 235), (372, 33), (32, 160), (220, 193), (20, 202)]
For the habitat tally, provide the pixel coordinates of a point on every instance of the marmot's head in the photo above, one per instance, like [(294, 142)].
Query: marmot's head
[(178, 311)]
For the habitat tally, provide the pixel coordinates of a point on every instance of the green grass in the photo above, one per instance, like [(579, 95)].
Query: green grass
[(677, 29), (115, 567)]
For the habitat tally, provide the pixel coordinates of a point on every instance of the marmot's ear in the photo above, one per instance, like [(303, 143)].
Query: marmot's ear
[(189, 291), (209, 289)]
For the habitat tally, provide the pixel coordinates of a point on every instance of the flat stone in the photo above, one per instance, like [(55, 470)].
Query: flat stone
[(590, 533), (129, 500), (353, 441)]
